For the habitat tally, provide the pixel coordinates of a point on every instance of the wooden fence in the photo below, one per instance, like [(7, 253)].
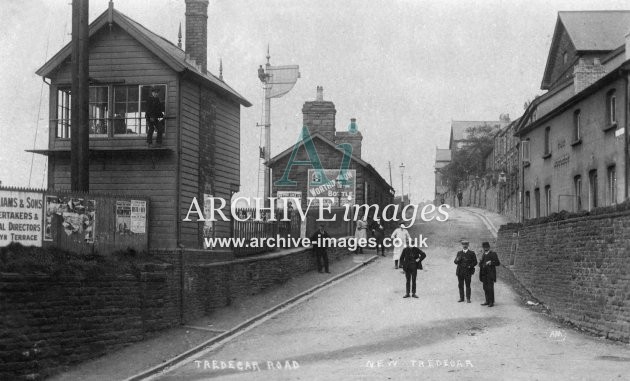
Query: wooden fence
[(262, 228)]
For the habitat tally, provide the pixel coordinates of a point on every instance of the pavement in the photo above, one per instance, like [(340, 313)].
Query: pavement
[(167, 344), (362, 329)]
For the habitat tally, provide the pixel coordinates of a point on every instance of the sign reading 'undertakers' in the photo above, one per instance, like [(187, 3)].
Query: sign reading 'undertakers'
[(21, 217)]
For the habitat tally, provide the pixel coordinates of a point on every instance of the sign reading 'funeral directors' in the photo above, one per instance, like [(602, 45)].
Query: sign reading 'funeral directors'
[(21, 217)]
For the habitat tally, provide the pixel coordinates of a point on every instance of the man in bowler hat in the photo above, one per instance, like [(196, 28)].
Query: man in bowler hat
[(466, 260), (411, 261), (488, 272), (319, 247)]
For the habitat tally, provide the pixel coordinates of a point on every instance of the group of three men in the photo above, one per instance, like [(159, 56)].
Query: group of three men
[(411, 261)]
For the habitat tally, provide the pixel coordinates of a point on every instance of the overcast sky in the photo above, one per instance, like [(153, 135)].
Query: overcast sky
[(404, 69)]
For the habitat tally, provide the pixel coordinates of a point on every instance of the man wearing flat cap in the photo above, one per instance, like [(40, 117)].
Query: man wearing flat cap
[(154, 115), (488, 272), (466, 260)]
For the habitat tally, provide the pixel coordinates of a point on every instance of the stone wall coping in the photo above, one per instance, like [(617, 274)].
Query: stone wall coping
[(63, 278), (569, 220)]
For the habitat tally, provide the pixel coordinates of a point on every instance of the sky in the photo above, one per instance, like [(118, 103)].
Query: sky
[(404, 69)]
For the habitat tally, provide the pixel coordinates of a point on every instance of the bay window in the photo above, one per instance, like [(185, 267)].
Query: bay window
[(114, 110)]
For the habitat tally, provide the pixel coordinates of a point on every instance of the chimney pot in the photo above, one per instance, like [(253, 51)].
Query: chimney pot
[(320, 94)]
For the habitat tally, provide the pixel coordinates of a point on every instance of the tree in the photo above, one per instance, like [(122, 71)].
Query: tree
[(469, 160)]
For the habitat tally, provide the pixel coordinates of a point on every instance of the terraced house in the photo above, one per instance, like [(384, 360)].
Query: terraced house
[(574, 140)]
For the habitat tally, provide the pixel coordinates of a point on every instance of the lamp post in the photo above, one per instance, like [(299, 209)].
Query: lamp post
[(402, 183)]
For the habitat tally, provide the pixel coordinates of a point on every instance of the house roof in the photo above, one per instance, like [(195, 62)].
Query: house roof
[(442, 154), (588, 31), (318, 135), (459, 129), (596, 30), (172, 55), (524, 125)]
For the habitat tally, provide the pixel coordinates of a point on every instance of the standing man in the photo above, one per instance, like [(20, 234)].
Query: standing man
[(411, 261), (460, 196), (466, 260), (399, 237), (488, 272), (154, 115), (378, 231), (318, 240)]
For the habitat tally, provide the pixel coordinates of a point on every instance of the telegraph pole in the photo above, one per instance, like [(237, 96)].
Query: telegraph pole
[(80, 134), (402, 183)]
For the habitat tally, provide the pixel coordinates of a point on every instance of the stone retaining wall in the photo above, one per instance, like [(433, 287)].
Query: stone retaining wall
[(579, 268)]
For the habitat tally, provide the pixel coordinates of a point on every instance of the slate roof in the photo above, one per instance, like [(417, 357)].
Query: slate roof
[(167, 51), (319, 136), (442, 155), (596, 30)]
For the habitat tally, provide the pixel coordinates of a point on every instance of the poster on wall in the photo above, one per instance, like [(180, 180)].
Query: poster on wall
[(286, 199), (78, 216), (21, 217), (123, 217), (341, 188), (138, 216)]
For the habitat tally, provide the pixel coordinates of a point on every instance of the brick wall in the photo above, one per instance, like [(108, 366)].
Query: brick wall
[(214, 285), (579, 268), (48, 323)]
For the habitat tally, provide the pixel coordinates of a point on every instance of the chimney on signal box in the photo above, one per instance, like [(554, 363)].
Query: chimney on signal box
[(197, 32)]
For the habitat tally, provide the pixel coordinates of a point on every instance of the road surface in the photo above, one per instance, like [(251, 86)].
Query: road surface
[(362, 329)]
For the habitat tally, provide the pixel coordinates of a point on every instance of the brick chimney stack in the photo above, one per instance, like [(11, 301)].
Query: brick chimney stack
[(319, 115), (585, 74), (352, 136), (197, 32)]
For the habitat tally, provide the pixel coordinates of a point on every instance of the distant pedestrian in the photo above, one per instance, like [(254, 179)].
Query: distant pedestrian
[(460, 197), (399, 238), (488, 272), (378, 232), (411, 261), (466, 260), (360, 234), (318, 240)]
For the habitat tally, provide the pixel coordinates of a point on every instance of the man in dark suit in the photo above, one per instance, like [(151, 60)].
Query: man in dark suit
[(466, 260), (488, 272), (411, 261), (154, 115), (319, 247), (378, 232)]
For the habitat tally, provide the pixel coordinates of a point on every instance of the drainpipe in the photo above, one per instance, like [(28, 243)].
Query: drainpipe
[(626, 153)]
